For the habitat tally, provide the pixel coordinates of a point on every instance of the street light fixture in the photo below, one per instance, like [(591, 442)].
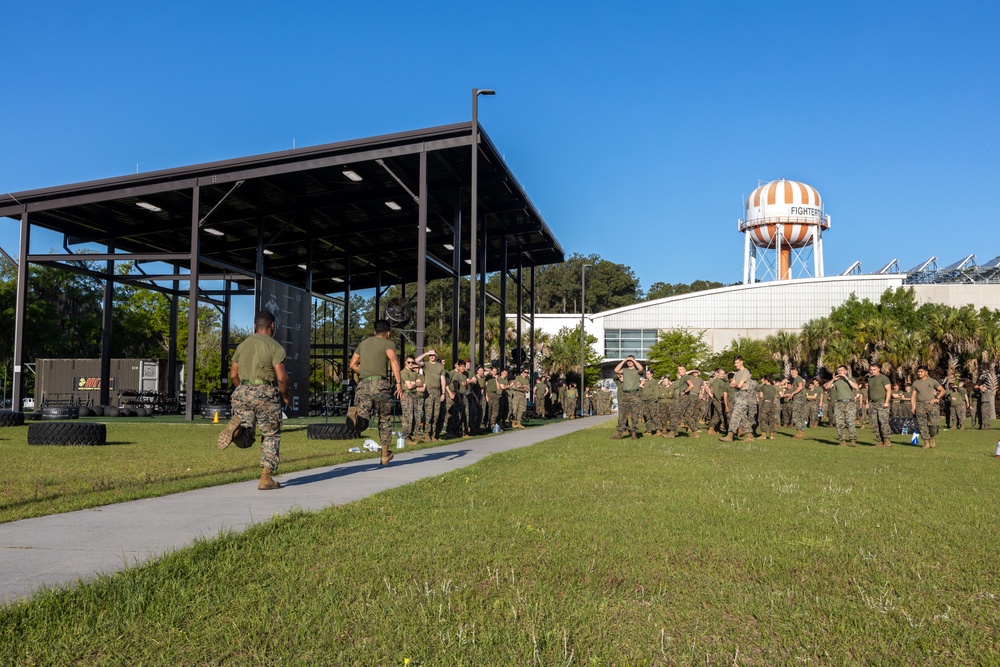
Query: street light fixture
[(583, 332), (474, 195)]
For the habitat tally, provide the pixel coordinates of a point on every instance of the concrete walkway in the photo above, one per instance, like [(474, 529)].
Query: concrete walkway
[(59, 550)]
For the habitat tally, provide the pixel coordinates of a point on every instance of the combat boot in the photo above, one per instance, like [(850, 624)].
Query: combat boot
[(712, 431), (386, 455), (616, 436), (634, 436), (842, 444), (696, 434), (932, 443), (854, 443), (668, 434), (232, 431), (887, 443), (266, 482), (799, 435), (728, 437)]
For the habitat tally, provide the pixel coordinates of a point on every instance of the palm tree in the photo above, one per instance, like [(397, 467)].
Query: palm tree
[(872, 334), (841, 350), (786, 348), (815, 335), (956, 332), (989, 354), (903, 353)]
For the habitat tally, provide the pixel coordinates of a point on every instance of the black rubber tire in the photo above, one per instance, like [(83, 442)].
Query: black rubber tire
[(140, 412), (67, 433), (330, 432), (11, 418), (224, 412), (60, 412), (85, 411), (98, 410), (111, 411)]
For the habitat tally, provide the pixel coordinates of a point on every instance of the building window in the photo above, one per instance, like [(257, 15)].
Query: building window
[(620, 343)]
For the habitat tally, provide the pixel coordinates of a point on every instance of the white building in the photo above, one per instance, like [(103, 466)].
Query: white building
[(758, 310)]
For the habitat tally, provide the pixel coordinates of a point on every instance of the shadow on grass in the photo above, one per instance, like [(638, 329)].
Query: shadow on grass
[(345, 469)]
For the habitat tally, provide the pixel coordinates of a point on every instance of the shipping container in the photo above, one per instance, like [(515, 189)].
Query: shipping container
[(78, 382)]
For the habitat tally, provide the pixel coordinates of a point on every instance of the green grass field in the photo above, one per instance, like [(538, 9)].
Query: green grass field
[(579, 551)]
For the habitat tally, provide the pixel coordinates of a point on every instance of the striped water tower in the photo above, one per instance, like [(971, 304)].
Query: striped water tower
[(783, 220)]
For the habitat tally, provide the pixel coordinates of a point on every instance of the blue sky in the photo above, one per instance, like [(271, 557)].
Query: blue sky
[(637, 128)]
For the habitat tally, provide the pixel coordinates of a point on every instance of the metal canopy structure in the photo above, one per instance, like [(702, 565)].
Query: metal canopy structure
[(329, 219)]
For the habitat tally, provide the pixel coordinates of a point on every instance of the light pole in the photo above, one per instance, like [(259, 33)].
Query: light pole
[(583, 333), (474, 195)]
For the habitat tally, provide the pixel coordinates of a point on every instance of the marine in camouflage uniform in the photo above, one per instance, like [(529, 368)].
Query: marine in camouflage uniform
[(695, 407), (814, 396), (629, 404), (647, 397), (374, 395), (434, 380), (413, 399), (745, 400), (519, 387), (958, 405), (879, 396), (842, 388), (924, 402), (797, 394), (766, 407), (261, 381), (717, 408)]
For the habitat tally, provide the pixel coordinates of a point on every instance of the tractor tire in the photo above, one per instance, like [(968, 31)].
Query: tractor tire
[(67, 433), (224, 412), (60, 412), (11, 418), (98, 410), (111, 411), (330, 432)]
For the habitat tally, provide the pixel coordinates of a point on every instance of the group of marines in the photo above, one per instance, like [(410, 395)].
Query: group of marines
[(736, 405), (437, 402)]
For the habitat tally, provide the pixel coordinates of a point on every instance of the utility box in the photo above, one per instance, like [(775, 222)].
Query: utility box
[(78, 381)]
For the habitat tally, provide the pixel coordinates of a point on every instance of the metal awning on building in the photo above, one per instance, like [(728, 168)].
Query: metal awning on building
[(327, 219), (341, 212)]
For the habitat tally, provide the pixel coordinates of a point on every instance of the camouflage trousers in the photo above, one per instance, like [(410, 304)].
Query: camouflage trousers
[(928, 418), (845, 418), (413, 413), (740, 418), (957, 415), (473, 415), (799, 412), (682, 406), (629, 406), (432, 412), (766, 414), (492, 409), (374, 399), (812, 413), (716, 415), (518, 405), (696, 412), (650, 415), (259, 406), (666, 420), (455, 424), (880, 421)]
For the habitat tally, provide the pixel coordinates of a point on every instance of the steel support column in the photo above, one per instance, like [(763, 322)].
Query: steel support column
[(503, 304), (106, 324), (172, 345), (456, 265), (422, 254), (20, 303), (192, 346)]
